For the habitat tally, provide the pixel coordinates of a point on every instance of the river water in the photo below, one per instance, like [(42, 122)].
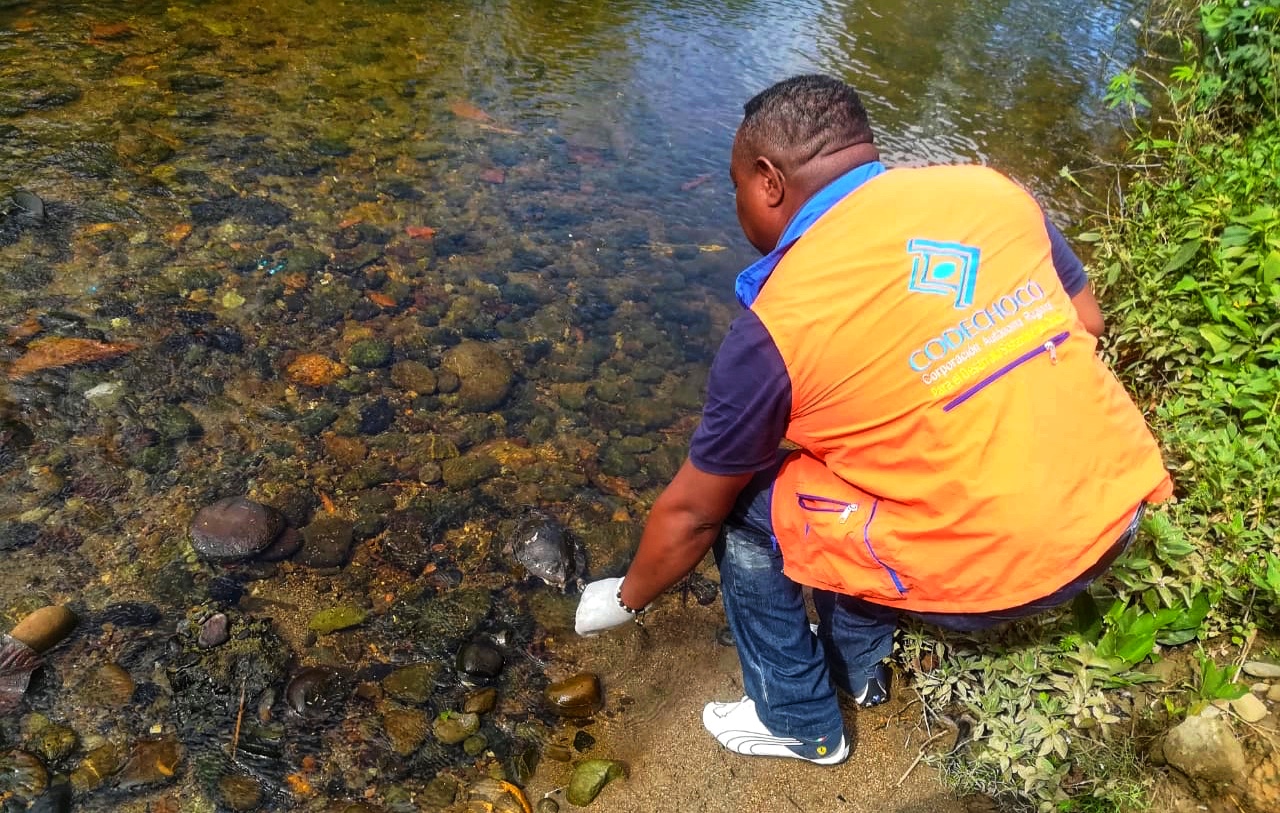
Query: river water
[(420, 276)]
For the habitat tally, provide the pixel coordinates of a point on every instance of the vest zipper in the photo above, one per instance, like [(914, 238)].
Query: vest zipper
[(826, 505), (1050, 347), (866, 540), (813, 502)]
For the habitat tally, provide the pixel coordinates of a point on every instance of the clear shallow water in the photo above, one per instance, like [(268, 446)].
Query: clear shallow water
[(431, 203)]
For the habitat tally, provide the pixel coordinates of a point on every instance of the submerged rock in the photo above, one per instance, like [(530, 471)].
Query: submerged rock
[(214, 631), (413, 683), (317, 693), (589, 778), (328, 542), (376, 417), (234, 528), (240, 792), (14, 535), (480, 662), (97, 766), (45, 628), (369, 354), (480, 701), (453, 727), (577, 696), (51, 741), (544, 549), (485, 377), (314, 370), (22, 775), (151, 761), (406, 729), (337, 618), (414, 376), (57, 799), (497, 796), (287, 544)]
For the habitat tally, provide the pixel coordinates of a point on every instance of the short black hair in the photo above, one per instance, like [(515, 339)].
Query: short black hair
[(801, 117)]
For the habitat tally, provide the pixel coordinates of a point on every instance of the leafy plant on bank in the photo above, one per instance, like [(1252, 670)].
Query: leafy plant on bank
[(1188, 267)]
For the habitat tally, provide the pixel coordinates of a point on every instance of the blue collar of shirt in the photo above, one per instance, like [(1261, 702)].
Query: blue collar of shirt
[(753, 278)]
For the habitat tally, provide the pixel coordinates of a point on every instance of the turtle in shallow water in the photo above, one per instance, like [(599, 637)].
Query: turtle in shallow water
[(543, 548)]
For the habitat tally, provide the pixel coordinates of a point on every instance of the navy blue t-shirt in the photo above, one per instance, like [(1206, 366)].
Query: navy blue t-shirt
[(749, 392)]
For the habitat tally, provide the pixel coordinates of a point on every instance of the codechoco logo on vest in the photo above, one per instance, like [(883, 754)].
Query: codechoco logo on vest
[(948, 269)]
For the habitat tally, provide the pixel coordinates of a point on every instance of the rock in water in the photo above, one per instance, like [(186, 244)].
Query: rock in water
[(45, 628), (479, 663), (234, 528), (486, 377), (578, 696), (452, 728), (589, 778), (328, 542), (30, 204), (545, 550)]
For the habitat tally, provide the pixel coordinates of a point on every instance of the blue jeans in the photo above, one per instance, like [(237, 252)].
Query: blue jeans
[(789, 672)]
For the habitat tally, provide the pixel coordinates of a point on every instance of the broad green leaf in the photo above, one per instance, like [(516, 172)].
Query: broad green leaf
[(1185, 253), (1213, 335), (1271, 268), (1088, 619)]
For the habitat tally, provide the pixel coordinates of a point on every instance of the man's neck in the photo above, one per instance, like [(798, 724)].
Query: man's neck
[(824, 168)]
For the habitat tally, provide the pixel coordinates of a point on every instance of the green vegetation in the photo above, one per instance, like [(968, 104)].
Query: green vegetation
[(1187, 264)]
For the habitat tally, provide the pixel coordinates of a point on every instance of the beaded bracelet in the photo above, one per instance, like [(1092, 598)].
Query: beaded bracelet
[(625, 608)]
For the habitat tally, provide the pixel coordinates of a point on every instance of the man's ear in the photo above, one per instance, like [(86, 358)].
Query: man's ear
[(773, 181)]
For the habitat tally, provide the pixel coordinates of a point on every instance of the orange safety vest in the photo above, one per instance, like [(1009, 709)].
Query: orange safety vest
[(964, 449)]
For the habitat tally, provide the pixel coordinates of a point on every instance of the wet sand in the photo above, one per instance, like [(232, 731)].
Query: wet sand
[(656, 681)]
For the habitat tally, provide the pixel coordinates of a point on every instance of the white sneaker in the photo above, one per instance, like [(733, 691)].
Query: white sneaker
[(737, 727)]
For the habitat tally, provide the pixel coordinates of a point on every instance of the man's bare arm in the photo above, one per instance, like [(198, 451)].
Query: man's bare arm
[(681, 528), (1089, 312)]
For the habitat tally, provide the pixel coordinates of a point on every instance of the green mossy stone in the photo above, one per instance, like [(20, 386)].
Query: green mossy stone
[(176, 423), (412, 684), (414, 376), (440, 792), (306, 259), (438, 447), (453, 727), (369, 354), (315, 421), (337, 618), (191, 279), (55, 743), (635, 445), (589, 778), (464, 473)]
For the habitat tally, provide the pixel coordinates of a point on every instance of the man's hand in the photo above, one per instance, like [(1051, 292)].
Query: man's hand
[(598, 608)]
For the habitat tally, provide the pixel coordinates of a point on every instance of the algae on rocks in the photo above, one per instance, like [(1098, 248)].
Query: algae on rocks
[(589, 778)]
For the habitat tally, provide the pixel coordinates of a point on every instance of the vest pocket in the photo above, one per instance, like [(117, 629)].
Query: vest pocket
[(846, 510), (1050, 346)]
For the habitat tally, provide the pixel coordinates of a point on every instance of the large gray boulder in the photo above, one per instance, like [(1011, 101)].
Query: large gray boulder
[(1205, 749)]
